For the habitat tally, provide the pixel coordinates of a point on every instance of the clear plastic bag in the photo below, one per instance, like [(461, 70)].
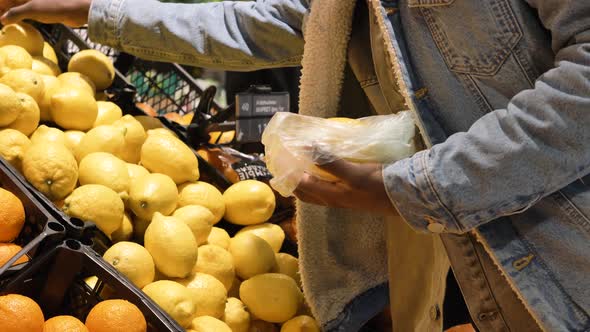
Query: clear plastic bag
[(295, 144)]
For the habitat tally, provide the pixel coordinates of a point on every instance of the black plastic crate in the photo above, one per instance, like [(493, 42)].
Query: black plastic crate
[(55, 280)]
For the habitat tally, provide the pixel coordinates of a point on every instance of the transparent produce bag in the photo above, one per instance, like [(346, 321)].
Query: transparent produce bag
[(294, 144)]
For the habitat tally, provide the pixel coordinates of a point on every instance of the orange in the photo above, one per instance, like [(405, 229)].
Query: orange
[(19, 313), (116, 316), (12, 216), (64, 324), (8, 250)]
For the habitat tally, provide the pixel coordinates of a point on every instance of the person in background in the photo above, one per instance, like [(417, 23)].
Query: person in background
[(500, 90)]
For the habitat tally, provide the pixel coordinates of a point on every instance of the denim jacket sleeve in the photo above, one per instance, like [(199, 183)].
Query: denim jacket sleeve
[(240, 35), (510, 158)]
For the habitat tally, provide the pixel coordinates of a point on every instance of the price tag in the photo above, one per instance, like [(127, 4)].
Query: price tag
[(254, 110)]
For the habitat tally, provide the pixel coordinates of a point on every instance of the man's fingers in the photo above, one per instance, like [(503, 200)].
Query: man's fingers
[(320, 192), (17, 14)]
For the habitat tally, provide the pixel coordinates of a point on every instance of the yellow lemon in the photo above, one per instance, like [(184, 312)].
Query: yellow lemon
[(301, 324), (172, 245), (15, 57), (198, 218), (28, 119), (105, 138), (168, 155), (10, 105), (49, 53), (208, 293), (77, 80), (51, 84), (174, 299), (272, 297), (94, 64), (262, 326), (73, 108), (125, 232), (248, 202), (133, 261), (288, 265), (44, 66), (148, 122), (25, 81), (162, 131), (13, 145), (136, 171), (23, 35), (108, 113), (73, 139), (51, 168), (135, 136), (106, 169), (209, 324), (204, 194), (153, 193), (44, 134), (218, 262), (218, 237), (252, 255), (271, 233), (236, 316), (96, 203)]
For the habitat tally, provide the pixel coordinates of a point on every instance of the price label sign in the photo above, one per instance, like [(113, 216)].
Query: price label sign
[(254, 110)]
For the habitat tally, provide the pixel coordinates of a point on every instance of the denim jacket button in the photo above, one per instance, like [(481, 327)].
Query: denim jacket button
[(436, 228)]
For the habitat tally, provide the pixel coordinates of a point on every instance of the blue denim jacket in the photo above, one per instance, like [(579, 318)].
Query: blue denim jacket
[(500, 89)]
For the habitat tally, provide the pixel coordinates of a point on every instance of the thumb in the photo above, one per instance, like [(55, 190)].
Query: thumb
[(340, 168), (19, 13)]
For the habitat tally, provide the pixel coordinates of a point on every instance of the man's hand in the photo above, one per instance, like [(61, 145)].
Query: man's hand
[(359, 187), (73, 13)]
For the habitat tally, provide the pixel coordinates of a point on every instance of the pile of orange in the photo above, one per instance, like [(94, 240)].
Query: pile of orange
[(19, 313), (12, 220)]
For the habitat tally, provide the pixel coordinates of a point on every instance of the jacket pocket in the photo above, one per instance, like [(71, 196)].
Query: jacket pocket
[(574, 200), (474, 37)]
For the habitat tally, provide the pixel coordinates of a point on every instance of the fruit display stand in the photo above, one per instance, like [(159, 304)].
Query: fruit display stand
[(55, 280)]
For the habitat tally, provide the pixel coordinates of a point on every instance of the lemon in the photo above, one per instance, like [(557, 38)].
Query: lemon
[(301, 324), (272, 297), (106, 169), (73, 139), (44, 66), (25, 81), (49, 53), (262, 326), (139, 227), (125, 232), (108, 113), (96, 203), (218, 262), (15, 57), (10, 105), (168, 155), (105, 138), (153, 193), (171, 244), (248, 202), (288, 265), (135, 136), (44, 134), (13, 145), (94, 64), (209, 324), (73, 108), (198, 218), (252, 255), (23, 35), (78, 81), (28, 119), (136, 171), (51, 168), (204, 194), (234, 291), (174, 299), (271, 233), (148, 122), (163, 131), (236, 316), (51, 84), (102, 96), (133, 261), (218, 237), (208, 293)]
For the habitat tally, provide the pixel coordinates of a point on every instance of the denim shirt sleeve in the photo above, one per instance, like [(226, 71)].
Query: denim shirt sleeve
[(510, 158), (240, 35)]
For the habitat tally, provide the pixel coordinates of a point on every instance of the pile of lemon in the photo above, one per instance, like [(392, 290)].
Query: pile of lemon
[(140, 184)]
